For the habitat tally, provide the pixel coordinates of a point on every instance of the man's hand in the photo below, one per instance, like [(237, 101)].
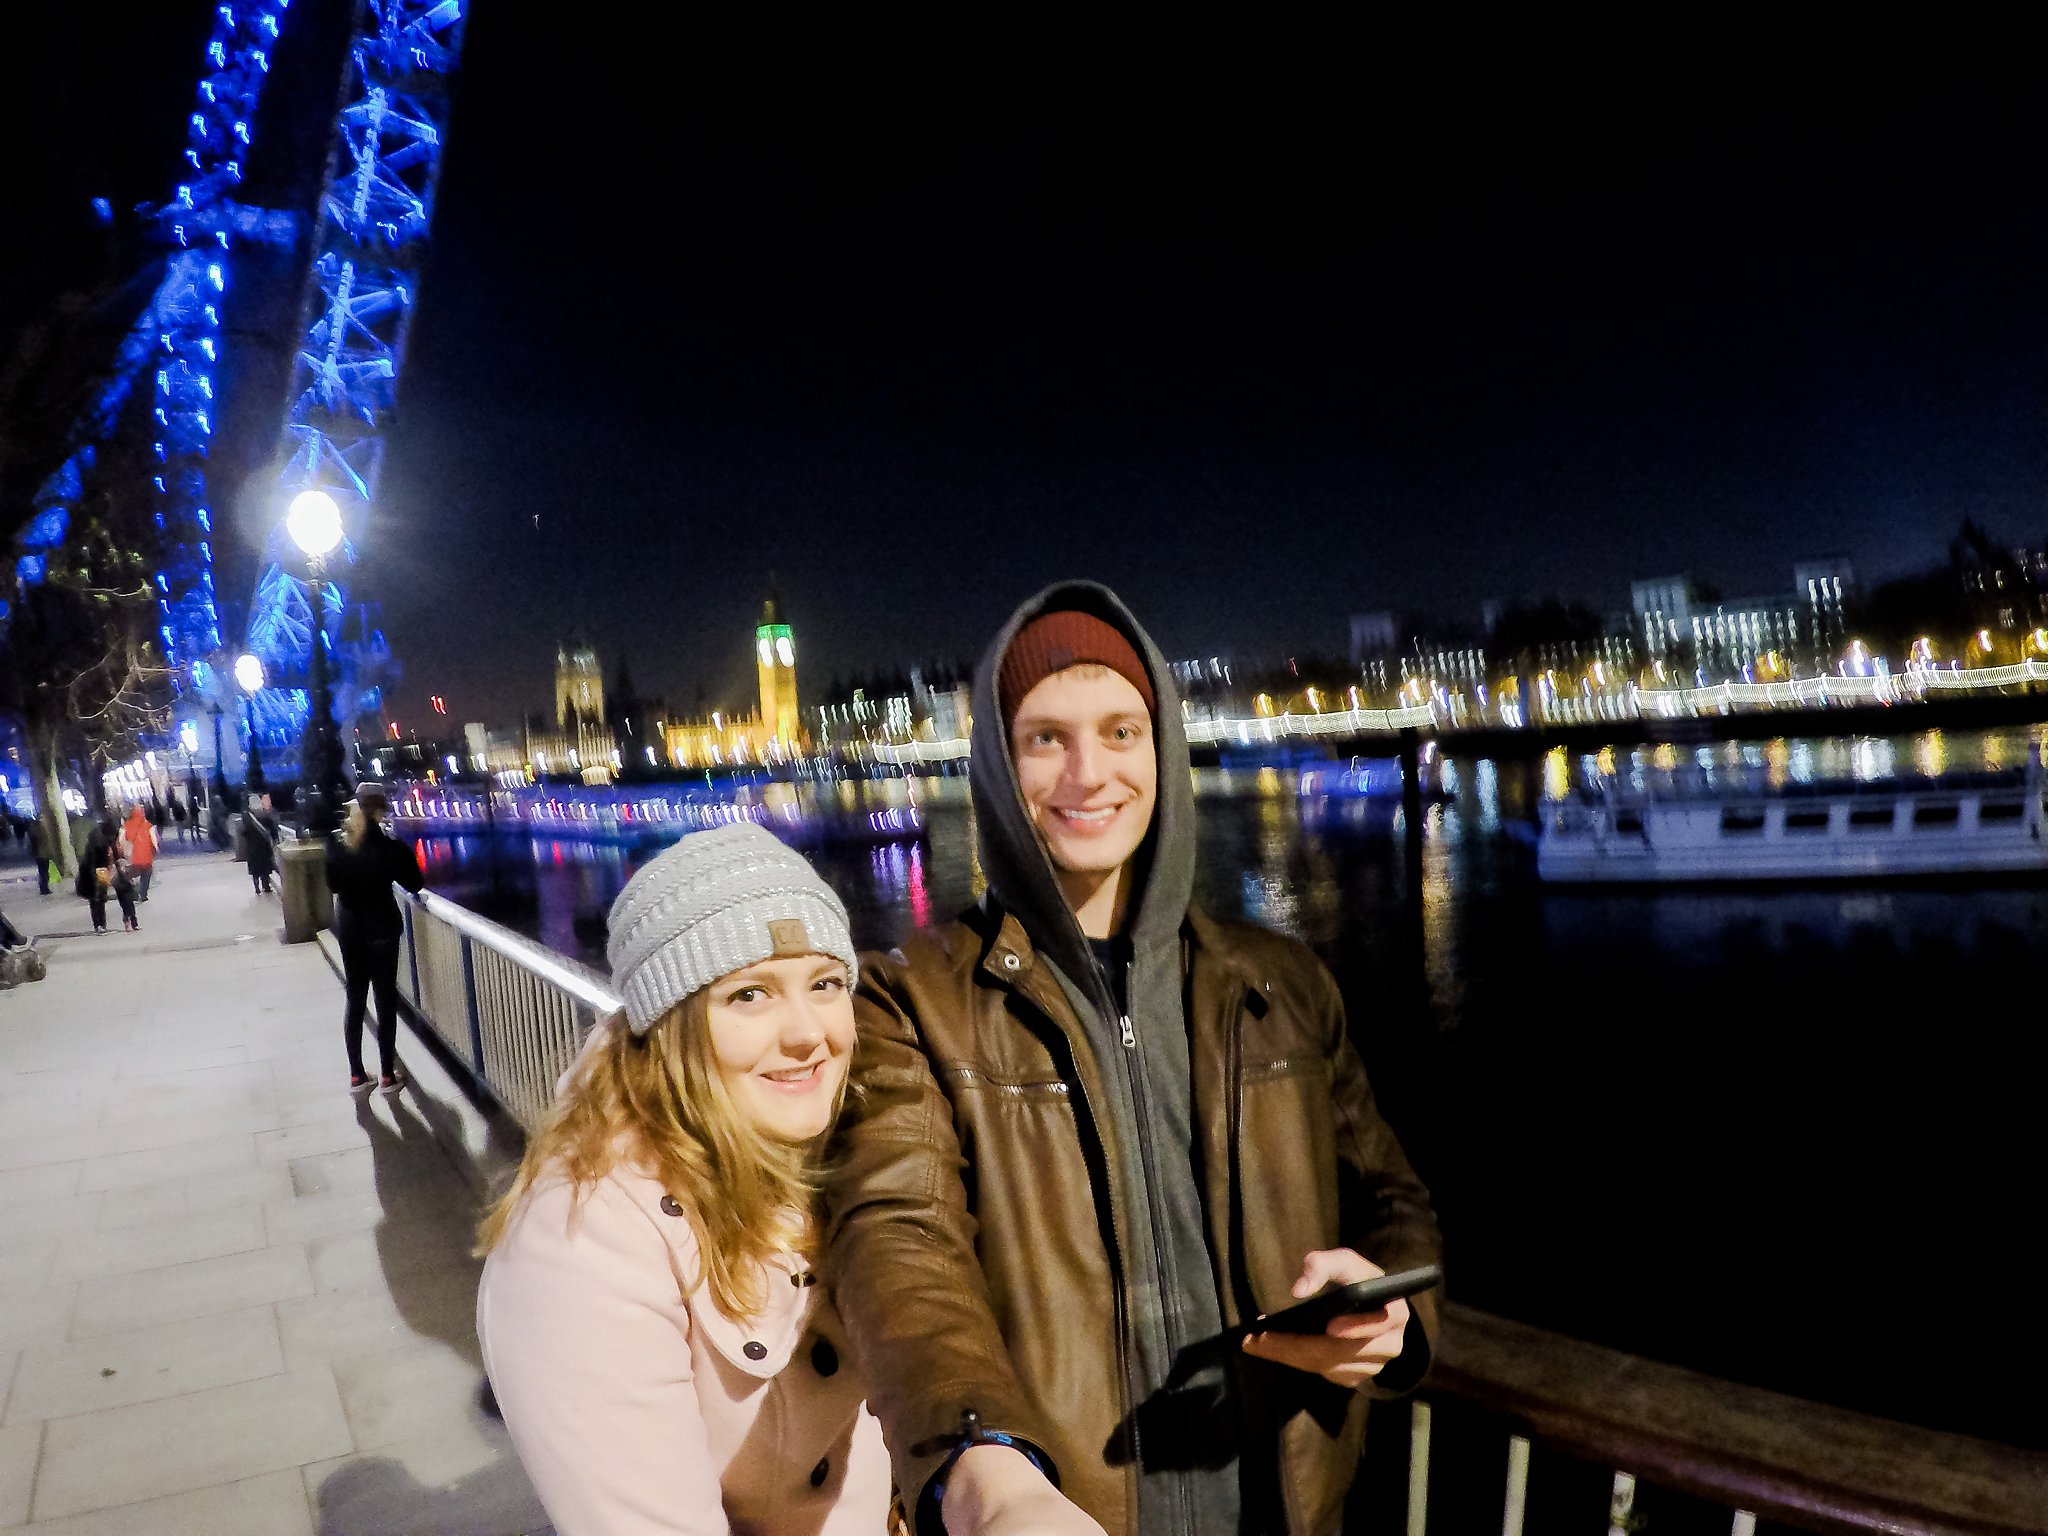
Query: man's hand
[(993, 1490), (1352, 1349)]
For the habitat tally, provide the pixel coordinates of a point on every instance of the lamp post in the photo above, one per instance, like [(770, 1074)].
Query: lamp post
[(249, 673), (217, 796), (314, 522)]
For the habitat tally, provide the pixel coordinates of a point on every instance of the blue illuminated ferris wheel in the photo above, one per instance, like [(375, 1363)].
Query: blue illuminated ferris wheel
[(367, 247), (372, 242)]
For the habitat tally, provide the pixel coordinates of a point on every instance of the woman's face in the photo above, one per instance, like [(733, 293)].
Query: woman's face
[(782, 1032)]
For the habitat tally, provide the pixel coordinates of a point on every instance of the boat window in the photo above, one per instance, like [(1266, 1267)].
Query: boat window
[(1868, 818), (1936, 815), (2001, 810), (1741, 819), (1628, 821), (1806, 821)]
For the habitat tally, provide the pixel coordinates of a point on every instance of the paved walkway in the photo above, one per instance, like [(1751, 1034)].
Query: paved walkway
[(234, 1300)]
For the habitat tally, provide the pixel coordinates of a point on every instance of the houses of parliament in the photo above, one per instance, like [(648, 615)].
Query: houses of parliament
[(599, 739)]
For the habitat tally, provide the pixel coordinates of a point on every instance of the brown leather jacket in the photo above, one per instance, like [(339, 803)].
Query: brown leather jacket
[(973, 1233)]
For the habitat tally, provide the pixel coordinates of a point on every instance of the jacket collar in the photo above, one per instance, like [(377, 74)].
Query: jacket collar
[(1008, 958), (775, 1334), (788, 1301)]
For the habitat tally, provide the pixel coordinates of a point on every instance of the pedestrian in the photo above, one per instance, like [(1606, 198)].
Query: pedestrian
[(259, 844), (176, 807), (103, 872), (364, 862), (140, 832), (650, 1316), (45, 854), (1091, 1128)]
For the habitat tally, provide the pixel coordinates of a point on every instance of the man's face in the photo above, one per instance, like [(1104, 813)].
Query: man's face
[(1088, 766)]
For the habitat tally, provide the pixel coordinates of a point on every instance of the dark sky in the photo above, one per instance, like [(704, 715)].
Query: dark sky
[(1265, 333)]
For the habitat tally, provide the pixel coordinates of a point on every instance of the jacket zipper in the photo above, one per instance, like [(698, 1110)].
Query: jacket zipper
[(1116, 1251), (1141, 1104)]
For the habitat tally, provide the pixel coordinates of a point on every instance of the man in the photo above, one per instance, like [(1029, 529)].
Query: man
[(1092, 1127), (39, 844)]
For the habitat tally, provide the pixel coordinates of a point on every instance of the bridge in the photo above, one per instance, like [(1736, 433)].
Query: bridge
[(236, 1301)]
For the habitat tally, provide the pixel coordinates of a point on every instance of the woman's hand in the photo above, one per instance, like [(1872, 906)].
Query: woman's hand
[(1352, 1349), (993, 1490)]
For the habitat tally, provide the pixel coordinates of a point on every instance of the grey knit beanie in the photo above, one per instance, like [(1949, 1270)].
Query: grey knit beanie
[(715, 903)]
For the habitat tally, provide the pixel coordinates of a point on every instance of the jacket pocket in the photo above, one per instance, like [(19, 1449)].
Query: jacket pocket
[(1287, 1159), (1045, 1090)]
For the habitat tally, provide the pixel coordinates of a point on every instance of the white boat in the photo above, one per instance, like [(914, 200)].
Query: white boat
[(1985, 823)]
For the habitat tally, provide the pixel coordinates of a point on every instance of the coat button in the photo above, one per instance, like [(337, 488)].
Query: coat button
[(821, 1471), (754, 1349), (824, 1358), (670, 1206)]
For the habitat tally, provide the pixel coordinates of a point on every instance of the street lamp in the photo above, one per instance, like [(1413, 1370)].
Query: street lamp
[(314, 522), (249, 673), (217, 796)]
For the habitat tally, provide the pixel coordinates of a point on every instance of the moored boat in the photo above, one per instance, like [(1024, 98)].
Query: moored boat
[(1984, 823)]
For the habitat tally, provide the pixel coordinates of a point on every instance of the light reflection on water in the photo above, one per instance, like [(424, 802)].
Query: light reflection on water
[(1618, 1097)]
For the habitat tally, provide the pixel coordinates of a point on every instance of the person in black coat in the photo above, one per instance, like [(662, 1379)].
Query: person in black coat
[(259, 843), (364, 861), (103, 872)]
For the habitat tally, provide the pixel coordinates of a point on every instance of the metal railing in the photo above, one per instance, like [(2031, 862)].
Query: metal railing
[(516, 1013), (513, 1011), (1756, 1454)]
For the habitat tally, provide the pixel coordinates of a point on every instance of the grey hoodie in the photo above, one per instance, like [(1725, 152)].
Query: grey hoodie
[(1185, 1435)]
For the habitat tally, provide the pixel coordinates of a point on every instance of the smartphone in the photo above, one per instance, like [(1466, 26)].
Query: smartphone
[(1314, 1315)]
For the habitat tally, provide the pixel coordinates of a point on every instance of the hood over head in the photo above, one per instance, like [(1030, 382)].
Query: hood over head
[(1019, 870)]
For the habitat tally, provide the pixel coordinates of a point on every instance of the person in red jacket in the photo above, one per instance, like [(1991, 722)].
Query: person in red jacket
[(141, 855)]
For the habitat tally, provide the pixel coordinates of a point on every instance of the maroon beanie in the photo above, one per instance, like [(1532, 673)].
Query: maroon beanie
[(1053, 642)]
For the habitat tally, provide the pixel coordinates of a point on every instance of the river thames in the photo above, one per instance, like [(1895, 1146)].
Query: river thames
[(1777, 1135)]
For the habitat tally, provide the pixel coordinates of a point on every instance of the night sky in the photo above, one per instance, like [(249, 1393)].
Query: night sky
[(1262, 330)]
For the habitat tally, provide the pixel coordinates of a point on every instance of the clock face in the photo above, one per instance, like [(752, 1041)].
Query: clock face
[(767, 651), (785, 651)]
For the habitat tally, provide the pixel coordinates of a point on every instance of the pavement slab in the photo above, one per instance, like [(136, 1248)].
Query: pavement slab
[(234, 1299)]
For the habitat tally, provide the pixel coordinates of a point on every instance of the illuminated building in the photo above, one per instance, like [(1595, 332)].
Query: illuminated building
[(1663, 607), (581, 742), (579, 683), (775, 655), (774, 733), (1729, 637), (1827, 588)]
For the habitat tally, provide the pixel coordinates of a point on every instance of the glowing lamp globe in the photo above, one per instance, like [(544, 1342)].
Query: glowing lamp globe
[(249, 671), (314, 522)]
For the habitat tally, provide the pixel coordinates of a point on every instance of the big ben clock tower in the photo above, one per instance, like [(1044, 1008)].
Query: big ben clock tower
[(775, 652)]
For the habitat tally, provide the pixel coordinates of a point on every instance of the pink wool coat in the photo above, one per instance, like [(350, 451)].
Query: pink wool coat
[(639, 1409)]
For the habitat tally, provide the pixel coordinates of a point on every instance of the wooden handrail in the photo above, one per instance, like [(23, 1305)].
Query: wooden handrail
[(1784, 1459)]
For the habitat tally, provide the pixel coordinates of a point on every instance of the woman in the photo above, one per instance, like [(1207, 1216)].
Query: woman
[(259, 843), (141, 835), (364, 861), (649, 1315), (103, 872)]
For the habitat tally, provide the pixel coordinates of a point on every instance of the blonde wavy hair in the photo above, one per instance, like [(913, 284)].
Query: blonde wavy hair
[(659, 1103)]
